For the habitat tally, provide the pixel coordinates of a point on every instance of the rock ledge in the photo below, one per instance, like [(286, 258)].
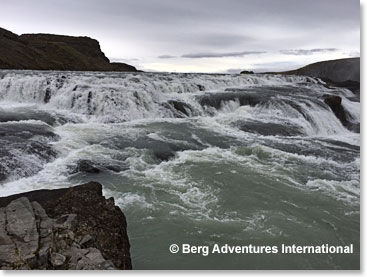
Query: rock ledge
[(71, 228)]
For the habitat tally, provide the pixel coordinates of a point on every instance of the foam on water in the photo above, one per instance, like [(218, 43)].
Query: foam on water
[(342, 190)]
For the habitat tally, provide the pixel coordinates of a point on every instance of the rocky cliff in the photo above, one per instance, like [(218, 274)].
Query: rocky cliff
[(71, 228), (54, 52), (341, 70)]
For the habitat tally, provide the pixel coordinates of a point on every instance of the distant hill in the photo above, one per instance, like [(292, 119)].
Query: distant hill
[(54, 52), (341, 70)]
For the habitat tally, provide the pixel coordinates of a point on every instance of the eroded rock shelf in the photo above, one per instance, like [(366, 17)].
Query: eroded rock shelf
[(72, 228)]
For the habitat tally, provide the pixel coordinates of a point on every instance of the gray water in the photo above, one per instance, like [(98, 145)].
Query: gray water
[(194, 159)]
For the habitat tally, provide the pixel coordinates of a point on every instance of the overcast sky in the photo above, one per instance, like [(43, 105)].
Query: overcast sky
[(199, 35)]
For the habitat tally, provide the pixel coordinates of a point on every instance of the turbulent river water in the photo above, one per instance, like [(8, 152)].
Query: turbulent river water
[(193, 158)]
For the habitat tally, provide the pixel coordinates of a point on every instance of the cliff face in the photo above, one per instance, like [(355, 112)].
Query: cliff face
[(71, 228), (341, 70), (54, 52)]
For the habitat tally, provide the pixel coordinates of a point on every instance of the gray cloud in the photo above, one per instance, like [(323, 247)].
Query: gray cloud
[(213, 55), (150, 30), (166, 57), (275, 66), (300, 52), (217, 39), (221, 55)]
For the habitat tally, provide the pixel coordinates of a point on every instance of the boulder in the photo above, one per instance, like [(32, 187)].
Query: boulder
[(8, 249), (164, 155), (182, 108), (21, 226), (333, 101), (85, 166), (57, 260), (201, 87), (269, 128), (335, 104), (19, 232)]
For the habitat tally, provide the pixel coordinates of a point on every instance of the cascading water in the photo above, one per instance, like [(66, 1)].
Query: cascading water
[(119, 97), (193, 158)]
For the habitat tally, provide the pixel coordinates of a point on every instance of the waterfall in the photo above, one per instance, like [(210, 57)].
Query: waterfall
[(121, 97)]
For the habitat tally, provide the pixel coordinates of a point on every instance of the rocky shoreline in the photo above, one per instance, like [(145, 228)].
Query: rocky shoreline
[(70, 228)]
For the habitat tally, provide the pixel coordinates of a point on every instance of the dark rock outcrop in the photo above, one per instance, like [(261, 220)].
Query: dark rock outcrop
[(54, 52), (269, 128), (353, 86), (201, 87), (335, 70), (85, 166), (335, 104), (247, 72), (164, 154), (180, 107), (71, 228)]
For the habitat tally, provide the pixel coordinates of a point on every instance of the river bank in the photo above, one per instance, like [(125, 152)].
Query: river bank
[(70, 228)]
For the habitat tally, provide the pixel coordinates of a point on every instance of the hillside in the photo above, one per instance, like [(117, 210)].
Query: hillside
[(341, 70), (54, 52)]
